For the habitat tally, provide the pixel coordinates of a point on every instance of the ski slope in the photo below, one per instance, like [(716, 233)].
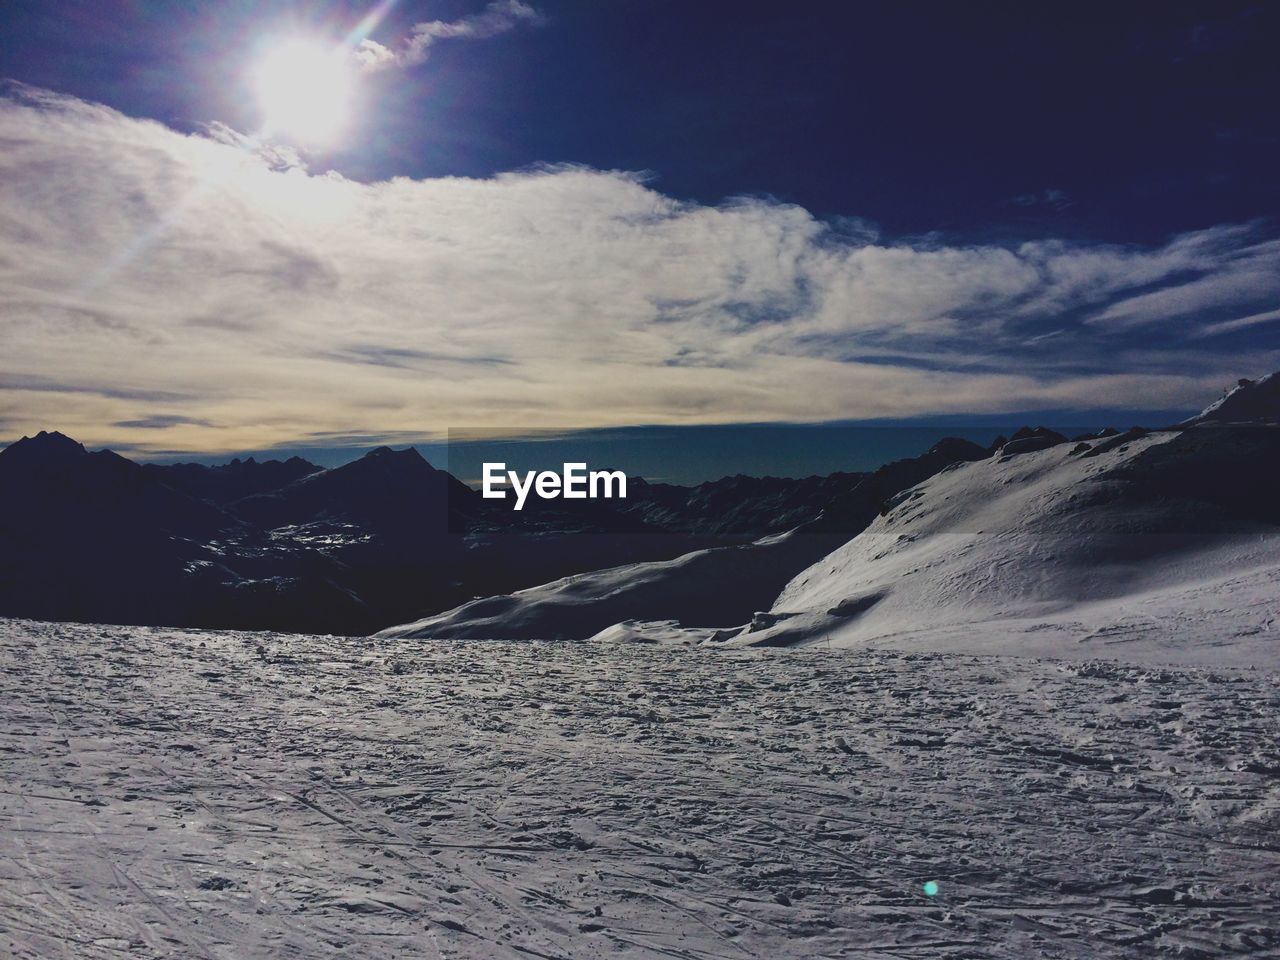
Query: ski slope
[(238, 796)]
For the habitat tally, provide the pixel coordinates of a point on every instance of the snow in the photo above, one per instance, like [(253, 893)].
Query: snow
[(720, 586), (1066, 551), (1164, 544), (1249, 401), (1033, 710), (186, 794), (670, 632)]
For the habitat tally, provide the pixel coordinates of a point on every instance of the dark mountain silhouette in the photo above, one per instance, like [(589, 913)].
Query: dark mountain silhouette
[(227, 482), (1028, 440), (50, 482), (276, 545), (95, 536), (1249, 401), (397, 489)]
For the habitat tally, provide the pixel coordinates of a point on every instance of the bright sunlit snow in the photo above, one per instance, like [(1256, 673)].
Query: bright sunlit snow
[(171, 793)]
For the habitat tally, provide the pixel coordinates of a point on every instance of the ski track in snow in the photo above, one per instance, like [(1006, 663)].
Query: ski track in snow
[(171, 793)]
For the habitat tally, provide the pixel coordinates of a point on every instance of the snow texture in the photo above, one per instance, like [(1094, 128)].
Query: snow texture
[(188, 794)]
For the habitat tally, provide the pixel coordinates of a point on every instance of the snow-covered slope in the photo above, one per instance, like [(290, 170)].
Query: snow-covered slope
[(184, 795), (1165, 542), (718, 587)]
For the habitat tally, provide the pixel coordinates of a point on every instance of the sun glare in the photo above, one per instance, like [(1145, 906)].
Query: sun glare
[(304, 90)]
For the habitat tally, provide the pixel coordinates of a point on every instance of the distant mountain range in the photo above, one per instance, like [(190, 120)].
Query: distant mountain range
[(288, 545), (388, 539)]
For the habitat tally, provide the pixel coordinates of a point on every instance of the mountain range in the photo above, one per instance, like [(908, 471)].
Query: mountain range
[(389, 542), (1166, 541), (288, 545)]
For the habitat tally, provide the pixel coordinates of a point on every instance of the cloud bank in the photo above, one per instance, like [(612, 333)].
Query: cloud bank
[(177, 291)]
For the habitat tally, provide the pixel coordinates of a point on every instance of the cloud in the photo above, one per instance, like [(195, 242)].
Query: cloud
[(161, 421), (1239, 323), (276, 156), (20, 383), (1239, 275), (497, 18), (178, 289)]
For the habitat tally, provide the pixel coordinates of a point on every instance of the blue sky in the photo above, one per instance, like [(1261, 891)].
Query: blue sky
[(1121, 122), (593, 215)]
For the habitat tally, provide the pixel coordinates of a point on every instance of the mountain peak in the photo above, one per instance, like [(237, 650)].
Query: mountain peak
[(1249, 401), (957, 448), (1028, 440), (386, 453), (47, 445)]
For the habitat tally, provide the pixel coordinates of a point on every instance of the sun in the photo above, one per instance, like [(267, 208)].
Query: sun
[(304, 90)]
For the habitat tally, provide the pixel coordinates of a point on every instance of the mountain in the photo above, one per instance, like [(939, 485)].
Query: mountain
[(1249, 401), (93, 535), (1028, 439), (224, 483), (721, 586), (856, 507), (1033, 530), (50, 483), (705, 588), (740, 505), (1166, 543), (759, 506), (286, 545), (396, 490), (96, 537)]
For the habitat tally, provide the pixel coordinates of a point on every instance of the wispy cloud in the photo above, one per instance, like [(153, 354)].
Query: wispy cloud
[(161, 421), (497, 18), (195, 294), (1239, 323)]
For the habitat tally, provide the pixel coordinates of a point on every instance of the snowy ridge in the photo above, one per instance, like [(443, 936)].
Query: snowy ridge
[(713, 588), (718, 587), (1055, 552), (1249, 401)]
